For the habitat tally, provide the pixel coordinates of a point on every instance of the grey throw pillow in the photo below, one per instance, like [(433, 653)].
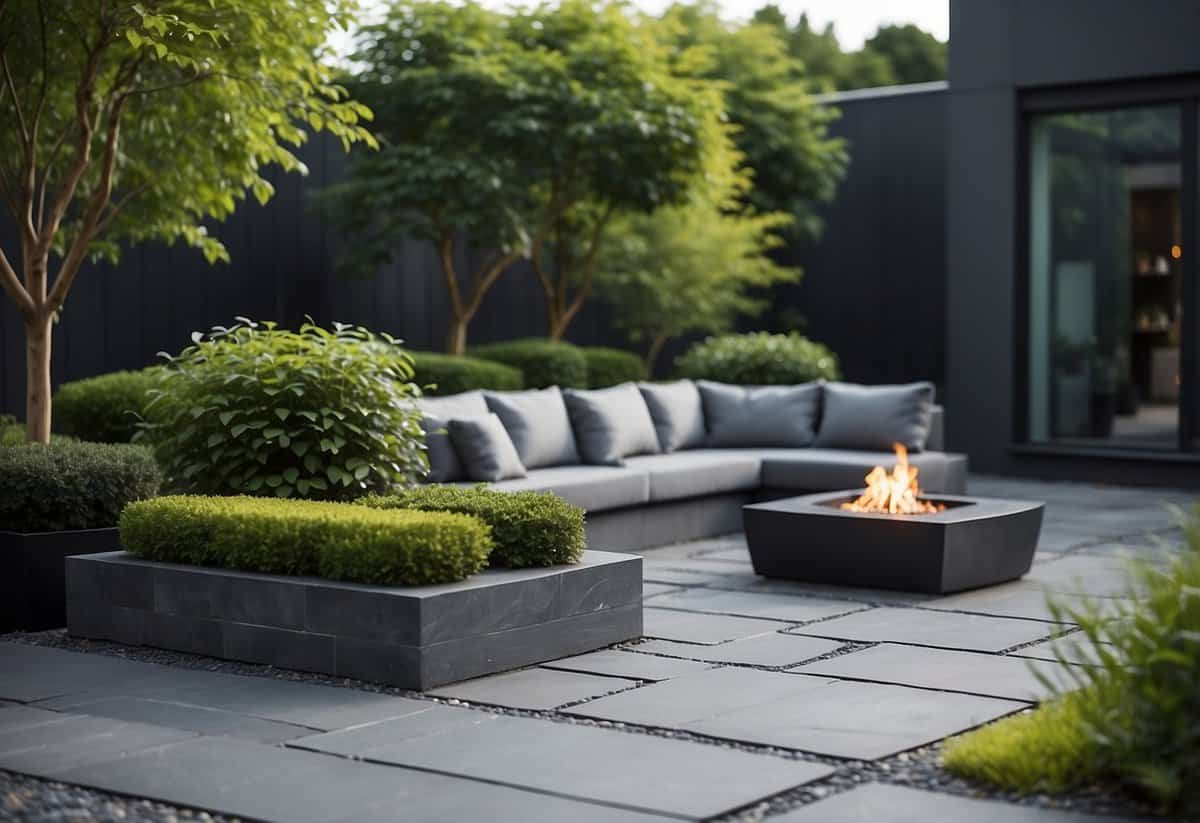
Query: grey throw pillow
[(740, 416), (486, 450), (875, 417), (538, 425), (611, 424), (436, 412), (677, 412)]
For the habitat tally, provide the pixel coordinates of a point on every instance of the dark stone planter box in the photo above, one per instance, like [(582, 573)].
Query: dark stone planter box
[(974, 542), (32, 574), (414, 637)]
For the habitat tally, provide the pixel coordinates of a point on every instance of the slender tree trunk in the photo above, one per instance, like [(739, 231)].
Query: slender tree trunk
[(456, 334), (656, 347), (37, 378), (556, 324)]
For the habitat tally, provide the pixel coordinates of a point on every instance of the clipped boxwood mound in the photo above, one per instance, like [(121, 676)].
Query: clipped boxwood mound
[(529, 528), (610, 367), (104, 409), (304, 537), (541, 362), (72, 485), (441, 374), (758, 359)]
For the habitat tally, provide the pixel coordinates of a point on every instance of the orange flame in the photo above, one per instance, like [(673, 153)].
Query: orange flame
[(894, 493)]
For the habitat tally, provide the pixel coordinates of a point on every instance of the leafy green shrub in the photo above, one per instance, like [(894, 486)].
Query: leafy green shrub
[(758, 359), (529, 528), (542, 362), (307, 537), (454, 373), (258, 410), (104, 409), (13, 434), (608, 367), (72, 485)]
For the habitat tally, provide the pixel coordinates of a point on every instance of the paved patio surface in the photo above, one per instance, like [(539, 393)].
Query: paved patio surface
[(749, 698)]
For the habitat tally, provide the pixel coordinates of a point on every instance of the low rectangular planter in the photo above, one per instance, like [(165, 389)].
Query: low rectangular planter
[(414, 637), (974, 542), (33, 575)]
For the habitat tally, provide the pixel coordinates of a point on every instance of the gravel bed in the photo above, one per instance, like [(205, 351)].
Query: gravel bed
[(31, 800)]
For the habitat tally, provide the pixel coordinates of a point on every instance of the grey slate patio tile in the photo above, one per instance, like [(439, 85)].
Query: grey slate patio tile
[(536, 688), (1083, 574), (29, 673), (636, 770), (931, 628), (857, 720), (767, 606), (654, 589), (678, 577), (775, 649), (619, 663), (1074, 648), (1022, 598), (696, 627), (200, 719)]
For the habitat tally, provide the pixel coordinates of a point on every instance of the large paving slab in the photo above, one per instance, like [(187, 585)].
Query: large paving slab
[(29, 673), (655, 589), (1083, 574), (844, 719), (1073, 648), (669, 575), (1021, 598), (932, 628), (638, 771), (766, 606), (1008, 677), (537, 689), (775, 650), (699, 627), (627, 664)]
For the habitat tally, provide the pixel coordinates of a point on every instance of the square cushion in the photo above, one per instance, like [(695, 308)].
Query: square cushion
[(677, 412), (698, 472), (538, 424), (610, 424), (485, 449), (875, 417), (739, 416), (436, 412)]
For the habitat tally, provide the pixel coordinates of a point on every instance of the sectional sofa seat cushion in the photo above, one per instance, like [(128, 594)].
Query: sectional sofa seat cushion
[(537, 422), (610, 424), (698, 472), (486, 450), (436, 412), (817, 469), (742, 416), (875, 417), (677, 412), (594, 488)]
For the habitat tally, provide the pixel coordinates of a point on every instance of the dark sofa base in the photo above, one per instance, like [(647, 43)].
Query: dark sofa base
[(32, 571)]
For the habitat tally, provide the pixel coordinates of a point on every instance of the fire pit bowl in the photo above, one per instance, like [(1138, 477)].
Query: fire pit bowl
[(972, 542)]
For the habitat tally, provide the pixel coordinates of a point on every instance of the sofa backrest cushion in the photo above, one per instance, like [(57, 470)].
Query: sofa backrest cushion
[(677, 412), (436, 412), (738, 416), (537, 422), (486, 450), (610, 424), (875, 417)]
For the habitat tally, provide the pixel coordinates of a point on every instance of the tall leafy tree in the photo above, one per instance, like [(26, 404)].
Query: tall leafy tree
[(915, 55), (123, 122)]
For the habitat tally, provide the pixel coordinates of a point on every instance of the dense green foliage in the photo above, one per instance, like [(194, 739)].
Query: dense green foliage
[(254, 409), (608, 367), (914, 55), (307, 537), (71, 485), (106, 408), (13, 434), (439, 374), (529, 528), (541, 362), (758, 359)]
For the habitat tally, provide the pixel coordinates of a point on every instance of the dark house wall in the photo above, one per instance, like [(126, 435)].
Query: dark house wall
[(1001, 51)]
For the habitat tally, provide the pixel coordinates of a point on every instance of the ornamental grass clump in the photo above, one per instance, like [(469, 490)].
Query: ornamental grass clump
[(259, 410), (758, 359)]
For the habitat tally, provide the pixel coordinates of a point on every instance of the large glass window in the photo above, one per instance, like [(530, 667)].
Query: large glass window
[(1106, 271)]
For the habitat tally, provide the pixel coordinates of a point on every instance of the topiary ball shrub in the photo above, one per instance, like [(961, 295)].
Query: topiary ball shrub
[(104, 409), (610, 367), (72, 485), (541, 362), (439, 374), (259, 410), (758, 359), (529, 528), (307, 537)]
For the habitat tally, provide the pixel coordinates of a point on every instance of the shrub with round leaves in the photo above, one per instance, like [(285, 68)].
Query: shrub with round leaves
[(258, 410), (758, 359)]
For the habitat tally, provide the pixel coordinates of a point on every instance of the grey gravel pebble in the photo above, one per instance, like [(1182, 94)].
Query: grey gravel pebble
[(31, 800)]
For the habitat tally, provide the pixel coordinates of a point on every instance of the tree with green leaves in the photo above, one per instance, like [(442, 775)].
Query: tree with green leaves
[(125, 122), (914, 55)]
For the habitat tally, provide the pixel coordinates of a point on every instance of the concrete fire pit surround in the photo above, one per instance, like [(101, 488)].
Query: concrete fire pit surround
[(414, 637)]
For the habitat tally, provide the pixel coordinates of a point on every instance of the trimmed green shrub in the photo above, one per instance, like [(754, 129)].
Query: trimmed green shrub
[(439, 374), (13, 434), (307, 537), (104, 409), (529, 528), (758, 359), (609, 367), (542, 362), (259, 410), (72, 485)]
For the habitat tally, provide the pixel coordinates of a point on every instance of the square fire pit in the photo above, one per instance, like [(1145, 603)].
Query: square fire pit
[(973, 542)]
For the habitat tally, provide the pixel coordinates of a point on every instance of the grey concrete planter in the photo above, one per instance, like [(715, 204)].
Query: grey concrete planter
[(414, 637), (32, 587)]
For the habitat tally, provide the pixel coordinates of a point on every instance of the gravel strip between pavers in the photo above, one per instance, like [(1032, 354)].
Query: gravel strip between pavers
[(33, 800)]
